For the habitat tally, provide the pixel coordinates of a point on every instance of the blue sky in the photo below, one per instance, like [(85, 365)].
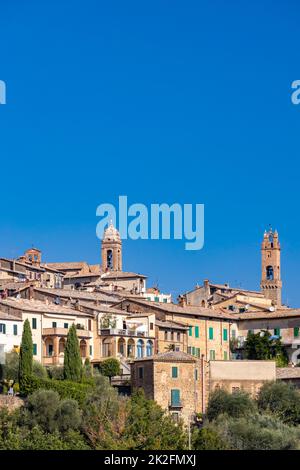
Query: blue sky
[(163, 101)]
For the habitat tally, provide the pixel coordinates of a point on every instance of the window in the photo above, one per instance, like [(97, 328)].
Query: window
[(15, 328), (270, 273), (225, 356), (211, 333), (3, 328), (91, 350), (89, 325), (277, 331), (250, 332), (178, 336), (193, 350), (296, 331), (34, 323), (225, 334), (189, 350), (233, 334), (196, 374), (172, 335), (196, 331), (235, 389), (212, 354), (190, 331), (54, 324), (34, 349), (165, 300), (66, 325), (166, 336), (174, 372), (156, 299), (198, 352), (151, 326), (141, 372), (149, 348), (175, 397)]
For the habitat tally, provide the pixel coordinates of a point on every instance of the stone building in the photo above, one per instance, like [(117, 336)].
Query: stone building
[(208, 331), (50, 324), (271, 284), (174, 380), (213, 294), (233, 376)]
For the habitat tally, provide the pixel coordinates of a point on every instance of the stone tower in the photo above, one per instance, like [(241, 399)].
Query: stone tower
[(111, 250), (271, 284)]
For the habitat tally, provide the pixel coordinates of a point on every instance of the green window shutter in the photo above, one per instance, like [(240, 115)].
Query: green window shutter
[(156, 299), (189, 350), (277, 331), (174, 372), (196, 331), (34, 349), (190, 331), (165, 300), (91, 350), (196, 374), (225, 334), (296, 331), (66, 325), (54, 324), (212, 354), (15, 330), (211, 333), (175, 397), (193, 350), (198, 352), (225, 356), (34, 323)]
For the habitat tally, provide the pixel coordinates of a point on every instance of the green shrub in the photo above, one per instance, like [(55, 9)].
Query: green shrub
[(38, 370), (65, 388), (56, 372), (256, 432), (282, 400), (236, 404)]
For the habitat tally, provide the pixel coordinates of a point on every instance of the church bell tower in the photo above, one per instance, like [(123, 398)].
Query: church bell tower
[(111, 250), (271, 283)]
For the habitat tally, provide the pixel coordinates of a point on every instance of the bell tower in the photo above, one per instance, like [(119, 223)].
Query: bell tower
[(271, 283), (111, 250)]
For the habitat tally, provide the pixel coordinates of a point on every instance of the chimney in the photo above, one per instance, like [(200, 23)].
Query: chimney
[(31, 292), (182, 301)]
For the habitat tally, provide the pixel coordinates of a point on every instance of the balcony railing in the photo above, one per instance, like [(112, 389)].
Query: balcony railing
[(64, 332), (116, 332)]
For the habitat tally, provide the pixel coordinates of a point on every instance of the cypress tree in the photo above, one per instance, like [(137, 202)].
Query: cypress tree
[(72, 359), (26, 354)]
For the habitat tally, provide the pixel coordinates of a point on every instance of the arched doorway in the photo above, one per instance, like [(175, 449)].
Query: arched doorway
[(61, 346), (121, 346), (130, 348), (140, 348), (83, 348), (106, 348), (49, 347)]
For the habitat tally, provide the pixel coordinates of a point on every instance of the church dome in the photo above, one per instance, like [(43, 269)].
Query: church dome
[(111, 234)]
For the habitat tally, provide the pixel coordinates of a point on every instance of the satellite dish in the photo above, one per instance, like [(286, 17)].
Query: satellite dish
[(272, 309)]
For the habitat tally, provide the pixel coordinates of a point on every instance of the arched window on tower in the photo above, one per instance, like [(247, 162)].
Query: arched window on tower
[(270, 273), (109, 259)]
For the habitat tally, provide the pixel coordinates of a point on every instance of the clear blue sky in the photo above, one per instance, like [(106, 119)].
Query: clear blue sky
[(164, 101)]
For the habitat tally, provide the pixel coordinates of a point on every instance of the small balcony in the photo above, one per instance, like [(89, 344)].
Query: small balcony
[(175, 405), (116, 332), (64, 332)]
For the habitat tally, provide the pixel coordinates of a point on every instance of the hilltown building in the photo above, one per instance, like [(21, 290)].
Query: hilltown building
[(116, 315)]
